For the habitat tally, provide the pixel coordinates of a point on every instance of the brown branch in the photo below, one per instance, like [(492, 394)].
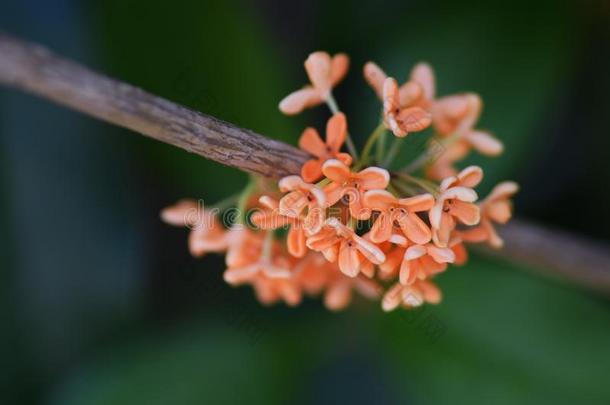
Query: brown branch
[(36, 70)]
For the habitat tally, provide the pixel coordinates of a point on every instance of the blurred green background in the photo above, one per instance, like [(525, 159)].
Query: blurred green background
[(101, 303)]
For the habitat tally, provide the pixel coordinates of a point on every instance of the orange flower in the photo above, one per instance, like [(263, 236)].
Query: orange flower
[(324, 73), (303, 195), (423, 261), (418, 91), (272, 219), (353, 185), (458, 114), (401, 211), (455, 202), (337, 241), (207, 234), (249, 255), (410, 296), (312, 271), (402, 119), (336, 132), (496, 207), (443, 164)]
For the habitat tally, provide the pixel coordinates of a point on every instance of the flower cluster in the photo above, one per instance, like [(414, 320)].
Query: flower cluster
[(352, 222)]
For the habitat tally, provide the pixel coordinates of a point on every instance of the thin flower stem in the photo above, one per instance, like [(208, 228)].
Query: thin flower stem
[(380, 147), (427, 156), (334, 108), (380, 130), (422, 183), (401, 189), (242, 203), (226, 202), (268, 245), (394, 149)]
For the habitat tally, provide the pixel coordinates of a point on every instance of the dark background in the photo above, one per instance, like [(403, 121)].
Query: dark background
[(100, 302)]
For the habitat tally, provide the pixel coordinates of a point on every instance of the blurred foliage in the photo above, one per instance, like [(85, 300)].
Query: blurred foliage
[(181, 335)]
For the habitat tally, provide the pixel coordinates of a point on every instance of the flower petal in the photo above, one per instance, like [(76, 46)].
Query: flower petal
[(375, 78), (430, 291), (467, 213), (369, 250), (415, 229), (499, 211), (460, 193), (338, 296), (485, 143), (413, 119), (392, 298), (339, 66), (290, 183), (295, 241), (470, 177), (440, 255), (293, 203), (311, 170), (349, 260), (336, 132), (379, 200), (421, 202), (409, 93), (381, 229), (373, 178), (318, 67), (503, 190), (423, 74), (299, 100), (178, 214), (336, 170), (311, 142)]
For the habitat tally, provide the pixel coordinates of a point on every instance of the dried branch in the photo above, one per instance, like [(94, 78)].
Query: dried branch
[(36, 70)]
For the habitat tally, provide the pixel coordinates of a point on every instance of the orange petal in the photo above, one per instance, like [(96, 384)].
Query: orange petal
[(178, 214), (499, 211), (392, 298), (475, 235), (373, 178), (311, 170), (442, 234), (415, 229), (414, 119), (461, 254), (334, 191), (311, 142), (337, 296), (336, 131), (392, 261), (369, 250), (339, 66), (314, 220), (238, 275), (296, 241), (336, 170), (293, 203), (409, 93), (460, 194), (290, 183), (269, 219), (423, 74), (349, 260), (375, 78), (485, 143), (440, 255), (467, 213), (379, 200), (470, 177), (381, 229), (299, 100), (346, 158), (318, 67), (503, 190), (421, 202), (430, 292)]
